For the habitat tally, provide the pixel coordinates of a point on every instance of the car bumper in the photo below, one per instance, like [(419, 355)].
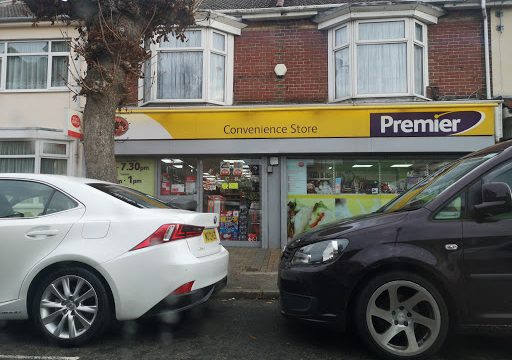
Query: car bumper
[(178, 303), (313, 293), (141, 279)]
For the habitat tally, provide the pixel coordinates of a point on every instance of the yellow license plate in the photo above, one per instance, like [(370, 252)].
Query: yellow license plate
[(210, 235)]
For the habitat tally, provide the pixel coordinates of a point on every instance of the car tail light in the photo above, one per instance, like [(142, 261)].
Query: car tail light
[(183, 289), (170, 232)]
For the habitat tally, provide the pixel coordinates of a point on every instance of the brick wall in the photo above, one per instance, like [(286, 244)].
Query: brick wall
[(297, 44), (456, 55)]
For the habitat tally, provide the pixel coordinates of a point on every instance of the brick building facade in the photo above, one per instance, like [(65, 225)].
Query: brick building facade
[(370, 102), (283, 118)]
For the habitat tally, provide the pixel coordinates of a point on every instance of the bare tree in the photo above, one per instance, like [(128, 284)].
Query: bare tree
[(111, 37)]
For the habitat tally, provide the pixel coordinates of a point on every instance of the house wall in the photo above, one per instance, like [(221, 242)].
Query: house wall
[(41, 108), (297, 44), (455, 46), (501, 52), (456, 55)]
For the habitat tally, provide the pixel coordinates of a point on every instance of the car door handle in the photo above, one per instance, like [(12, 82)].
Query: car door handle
[(451, 247), (42, 233)]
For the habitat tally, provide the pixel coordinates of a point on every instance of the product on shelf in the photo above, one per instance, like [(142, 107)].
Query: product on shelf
[(228, 228)]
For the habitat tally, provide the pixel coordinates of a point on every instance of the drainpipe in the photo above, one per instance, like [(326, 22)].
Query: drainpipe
[(486, 51)]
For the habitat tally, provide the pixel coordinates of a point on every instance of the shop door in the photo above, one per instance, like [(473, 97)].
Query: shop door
[(233, 190)]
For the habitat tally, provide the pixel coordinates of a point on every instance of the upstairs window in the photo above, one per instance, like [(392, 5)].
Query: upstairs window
[(198, 69), (34, 65), (377, 58)]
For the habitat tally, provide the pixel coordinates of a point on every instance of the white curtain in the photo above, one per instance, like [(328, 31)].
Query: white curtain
[(54, 166), (148, 80), (59, 71), (418, 70), (217, 76), (27, 47), (340, 36), (54, 148), (27, 72), (192, 39), (23, 165), (382, 30), (382, 68), (219, 42), (17, 148), (180, 75), (342, 73)]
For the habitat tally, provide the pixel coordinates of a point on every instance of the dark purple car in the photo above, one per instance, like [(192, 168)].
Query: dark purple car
[(439, 257)]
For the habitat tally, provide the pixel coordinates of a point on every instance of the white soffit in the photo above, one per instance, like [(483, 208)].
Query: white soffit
[(284, 15), (425, 13), (219, 21)]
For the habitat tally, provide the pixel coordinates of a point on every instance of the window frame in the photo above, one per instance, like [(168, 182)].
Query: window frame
[(353, 43), (39, 153), (207, 49), (4, 56)]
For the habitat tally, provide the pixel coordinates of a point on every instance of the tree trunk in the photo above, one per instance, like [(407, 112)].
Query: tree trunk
[(98, 127)]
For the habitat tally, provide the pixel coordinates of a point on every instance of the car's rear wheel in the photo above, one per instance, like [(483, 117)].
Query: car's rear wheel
[(71, 306), (402, 316)]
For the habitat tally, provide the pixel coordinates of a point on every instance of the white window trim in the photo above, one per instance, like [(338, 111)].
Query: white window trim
[(424, 45), (352, 35), (49, 88), (39, 153), (207, 49)]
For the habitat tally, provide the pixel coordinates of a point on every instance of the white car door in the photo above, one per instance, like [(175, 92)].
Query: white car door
[(34, 219)]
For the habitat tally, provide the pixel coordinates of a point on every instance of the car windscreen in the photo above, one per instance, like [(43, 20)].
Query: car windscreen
[(431, 187), (132, 197)]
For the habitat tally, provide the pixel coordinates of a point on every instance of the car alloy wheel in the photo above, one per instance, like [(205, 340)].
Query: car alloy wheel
[(71, 305), (68, 307), (401, 315), (403, 318)]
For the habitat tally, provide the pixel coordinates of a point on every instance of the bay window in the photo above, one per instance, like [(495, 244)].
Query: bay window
[(34, 65), (34, 156), (377, 58), (198, 69)]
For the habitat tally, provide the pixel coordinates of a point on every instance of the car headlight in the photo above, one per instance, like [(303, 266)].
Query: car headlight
[(319, 252)]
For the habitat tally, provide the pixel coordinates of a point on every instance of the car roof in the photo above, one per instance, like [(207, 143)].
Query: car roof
[(49, 178)]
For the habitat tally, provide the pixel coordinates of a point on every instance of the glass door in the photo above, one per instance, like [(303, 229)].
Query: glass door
[(232, 188)]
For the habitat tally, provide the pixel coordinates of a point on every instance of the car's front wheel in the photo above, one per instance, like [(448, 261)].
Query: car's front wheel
[(71, 306), (402, 316)]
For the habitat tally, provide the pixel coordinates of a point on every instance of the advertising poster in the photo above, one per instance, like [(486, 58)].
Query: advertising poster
[(297, 176), (237, 168), (138, 174), (225, 168), (190, 185), (306, 212)]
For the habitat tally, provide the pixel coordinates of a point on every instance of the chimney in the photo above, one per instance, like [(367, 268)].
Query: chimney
[(280, 3)]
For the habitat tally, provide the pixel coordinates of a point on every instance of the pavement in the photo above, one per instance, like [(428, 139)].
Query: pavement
[(252, 274)]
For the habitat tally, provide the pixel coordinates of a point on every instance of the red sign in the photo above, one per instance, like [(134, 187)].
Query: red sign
[(75, 121), (74, 126), (122, 126)]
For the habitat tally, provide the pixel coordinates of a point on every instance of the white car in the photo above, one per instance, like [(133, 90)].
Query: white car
[(75, 253)]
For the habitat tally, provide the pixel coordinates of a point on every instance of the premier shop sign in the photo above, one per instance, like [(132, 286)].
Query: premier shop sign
[(319, 121), (424, 124)]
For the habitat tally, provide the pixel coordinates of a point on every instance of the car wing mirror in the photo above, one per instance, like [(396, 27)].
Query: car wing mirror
[(496, 199)]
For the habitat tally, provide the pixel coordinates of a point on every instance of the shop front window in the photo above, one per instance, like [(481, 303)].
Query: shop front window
[(232, 189), (178, 177), (321, 191)]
